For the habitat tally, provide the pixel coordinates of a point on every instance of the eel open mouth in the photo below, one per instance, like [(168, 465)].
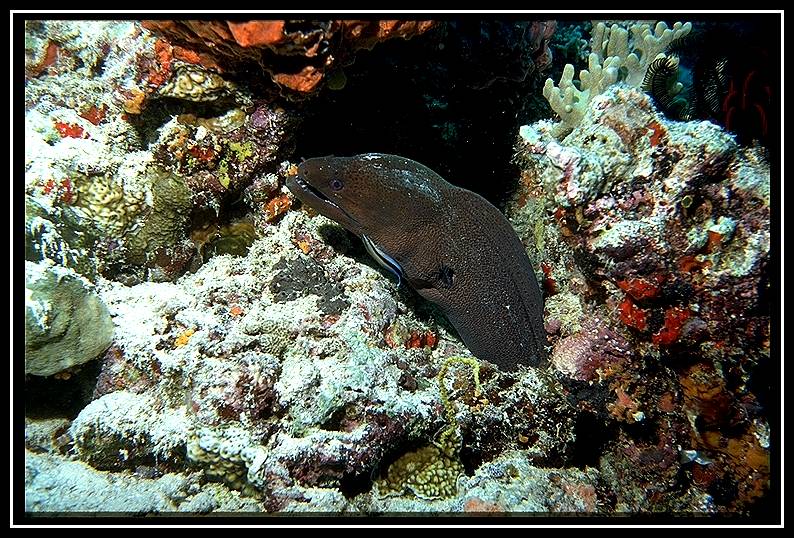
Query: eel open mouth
[(306, 186), (313, 197)]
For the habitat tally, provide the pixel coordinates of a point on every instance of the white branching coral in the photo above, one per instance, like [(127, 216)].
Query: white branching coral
[(614, 58), (647, 45), (570, 102)]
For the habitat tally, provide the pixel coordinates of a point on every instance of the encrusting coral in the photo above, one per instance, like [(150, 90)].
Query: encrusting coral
[(296, 55), (107, 204), (429, 473), (433, 471), (66, 324), (192, 83)]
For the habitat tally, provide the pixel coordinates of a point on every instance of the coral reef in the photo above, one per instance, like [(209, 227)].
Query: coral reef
[(250, 356), (661, 248), (239, 371), (661, 230), (243, 369), (129, 160)]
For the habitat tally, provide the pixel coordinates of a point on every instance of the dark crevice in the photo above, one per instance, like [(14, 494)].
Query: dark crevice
[(51, 397), (352, 485), (441, 98), (591, 438), (159, 111)]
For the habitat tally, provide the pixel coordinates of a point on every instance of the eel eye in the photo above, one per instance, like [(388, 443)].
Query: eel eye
[(336, 184)]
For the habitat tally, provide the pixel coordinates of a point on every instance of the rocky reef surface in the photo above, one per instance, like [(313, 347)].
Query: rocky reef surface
[(297, 373), (653, 237), (198, 342)]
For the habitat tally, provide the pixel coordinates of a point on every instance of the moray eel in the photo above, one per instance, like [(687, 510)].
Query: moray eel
[(450, 244)]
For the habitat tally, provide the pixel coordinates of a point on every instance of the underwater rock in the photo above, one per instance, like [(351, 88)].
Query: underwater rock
[(661, 230), (56, 485), (262, 362), (47, 435), (265, 391), (123, 430), (82, 160), (666, 218), (302, 276), (56, 234), (66, 324), (592, 349)]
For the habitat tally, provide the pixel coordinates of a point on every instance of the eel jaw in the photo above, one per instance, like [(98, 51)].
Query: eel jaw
[(312, 197)]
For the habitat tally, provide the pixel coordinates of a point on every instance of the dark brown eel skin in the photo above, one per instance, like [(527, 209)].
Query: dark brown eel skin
[(452, 246)]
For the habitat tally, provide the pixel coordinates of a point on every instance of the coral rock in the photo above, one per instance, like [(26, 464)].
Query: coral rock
[(66, 324), (667, 226), (296, 55), (257, 33)]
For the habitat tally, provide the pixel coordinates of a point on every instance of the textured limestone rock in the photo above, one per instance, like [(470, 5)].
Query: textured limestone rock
[(66, 324)]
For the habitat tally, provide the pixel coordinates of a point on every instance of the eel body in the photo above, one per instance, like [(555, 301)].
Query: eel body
[(450, 244)]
